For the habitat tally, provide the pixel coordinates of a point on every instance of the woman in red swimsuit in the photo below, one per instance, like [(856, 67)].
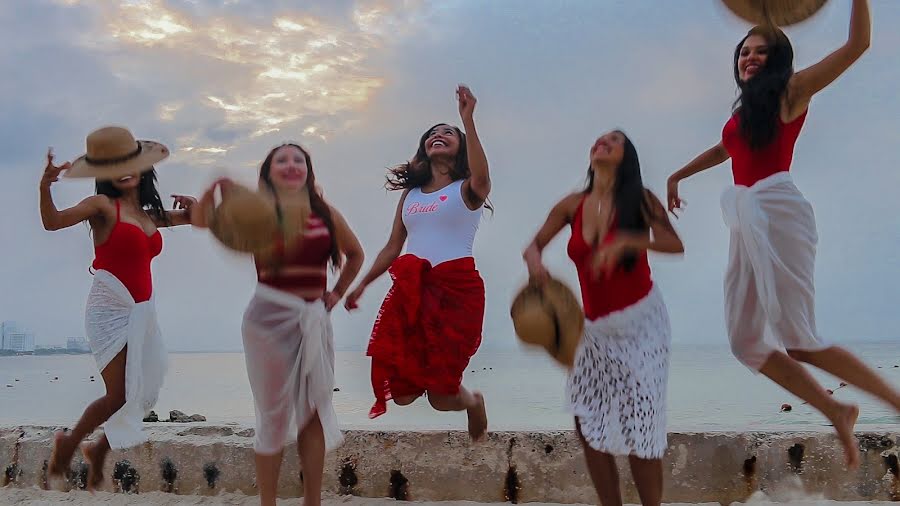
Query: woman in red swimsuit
[(617, 387), (288, 341), (120, 320), (769, 281)]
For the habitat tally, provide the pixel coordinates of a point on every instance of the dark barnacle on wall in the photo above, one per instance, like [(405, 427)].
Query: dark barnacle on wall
[(511, 486), (168, 473), (399, 486), (11, 474), (78, 476), (211, 473), (795, 457), (348, 478), (126, 477)]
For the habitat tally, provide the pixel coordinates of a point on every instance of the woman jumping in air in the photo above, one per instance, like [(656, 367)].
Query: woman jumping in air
[(769, 281), (120, 318), (430, 323)]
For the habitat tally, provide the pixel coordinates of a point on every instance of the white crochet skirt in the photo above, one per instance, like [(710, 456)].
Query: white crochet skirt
[(617, 389)]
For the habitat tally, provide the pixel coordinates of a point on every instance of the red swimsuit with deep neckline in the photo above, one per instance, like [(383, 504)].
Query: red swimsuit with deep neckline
[(600, 295), (749, 166), (126, 254)]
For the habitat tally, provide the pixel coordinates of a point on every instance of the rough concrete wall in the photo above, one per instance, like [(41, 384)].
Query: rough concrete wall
[(509, 466)]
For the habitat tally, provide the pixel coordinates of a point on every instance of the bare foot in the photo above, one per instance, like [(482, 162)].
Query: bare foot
[(843, 422), (477, 418), (95, 456), (60, 456)]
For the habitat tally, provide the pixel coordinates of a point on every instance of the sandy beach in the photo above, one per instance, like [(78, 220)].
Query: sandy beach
[(37, 497)]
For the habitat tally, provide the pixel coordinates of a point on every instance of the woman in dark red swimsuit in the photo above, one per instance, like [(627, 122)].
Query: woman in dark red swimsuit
[(769, 281), (617, 387), (120, 320), (287, 334)]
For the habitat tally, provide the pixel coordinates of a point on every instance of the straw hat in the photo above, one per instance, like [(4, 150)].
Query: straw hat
[(549, 315), (244, 220), (779, 12), (113, 153)]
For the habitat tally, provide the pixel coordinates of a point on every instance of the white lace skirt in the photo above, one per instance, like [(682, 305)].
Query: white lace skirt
[(289, 350), (617, 389)]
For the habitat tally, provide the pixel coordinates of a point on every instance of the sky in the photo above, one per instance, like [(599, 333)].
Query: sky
[(358, 81)]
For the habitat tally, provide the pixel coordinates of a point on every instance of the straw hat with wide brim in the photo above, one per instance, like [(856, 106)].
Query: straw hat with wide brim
[(244, 220), (549, 315), (112, 153), (779, 12)]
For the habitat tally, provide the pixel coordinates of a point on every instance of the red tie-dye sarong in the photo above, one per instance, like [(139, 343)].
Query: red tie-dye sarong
[(428, 328)]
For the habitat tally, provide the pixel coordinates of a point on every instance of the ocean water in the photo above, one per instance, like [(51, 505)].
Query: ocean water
[(708, 390)]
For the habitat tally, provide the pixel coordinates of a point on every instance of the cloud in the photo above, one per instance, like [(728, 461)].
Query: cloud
[(264, 76), (358, 81), (226, 79)]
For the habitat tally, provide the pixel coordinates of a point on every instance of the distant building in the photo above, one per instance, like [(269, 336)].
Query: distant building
[(12, 338), (7, 327), (77, 344)]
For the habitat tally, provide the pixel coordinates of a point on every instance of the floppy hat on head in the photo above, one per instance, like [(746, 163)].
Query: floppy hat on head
[(112, 153)]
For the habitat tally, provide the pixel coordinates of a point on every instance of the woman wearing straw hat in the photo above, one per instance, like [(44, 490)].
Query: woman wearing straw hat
[(617, 387), (430, 322), (769, 281), (120, 319), (288, 341)]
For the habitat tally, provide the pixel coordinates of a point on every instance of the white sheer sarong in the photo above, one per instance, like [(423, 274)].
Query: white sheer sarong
[(770, 269), (112, 321), (289, 349)]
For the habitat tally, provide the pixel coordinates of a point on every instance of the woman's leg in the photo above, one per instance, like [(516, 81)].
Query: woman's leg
[(95, 455), (648, 478), (603, 471), (792, 376), (471, 402), (268, 468), (311, 447), (97, 412), (405, 400), (846, 366)]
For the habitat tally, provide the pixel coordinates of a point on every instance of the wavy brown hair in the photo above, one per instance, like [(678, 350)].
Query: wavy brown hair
[(316, 202), (417, 172)]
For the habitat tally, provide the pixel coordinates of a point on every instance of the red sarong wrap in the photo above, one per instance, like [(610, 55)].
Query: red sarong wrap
[(428, 328)]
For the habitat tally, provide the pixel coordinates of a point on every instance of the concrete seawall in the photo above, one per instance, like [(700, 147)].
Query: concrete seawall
[(510, 466)]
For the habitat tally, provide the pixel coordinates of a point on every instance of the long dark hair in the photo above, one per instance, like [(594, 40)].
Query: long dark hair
[(148, 195), (316, 202), (629, 197), (417, 172), (759, 105)]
